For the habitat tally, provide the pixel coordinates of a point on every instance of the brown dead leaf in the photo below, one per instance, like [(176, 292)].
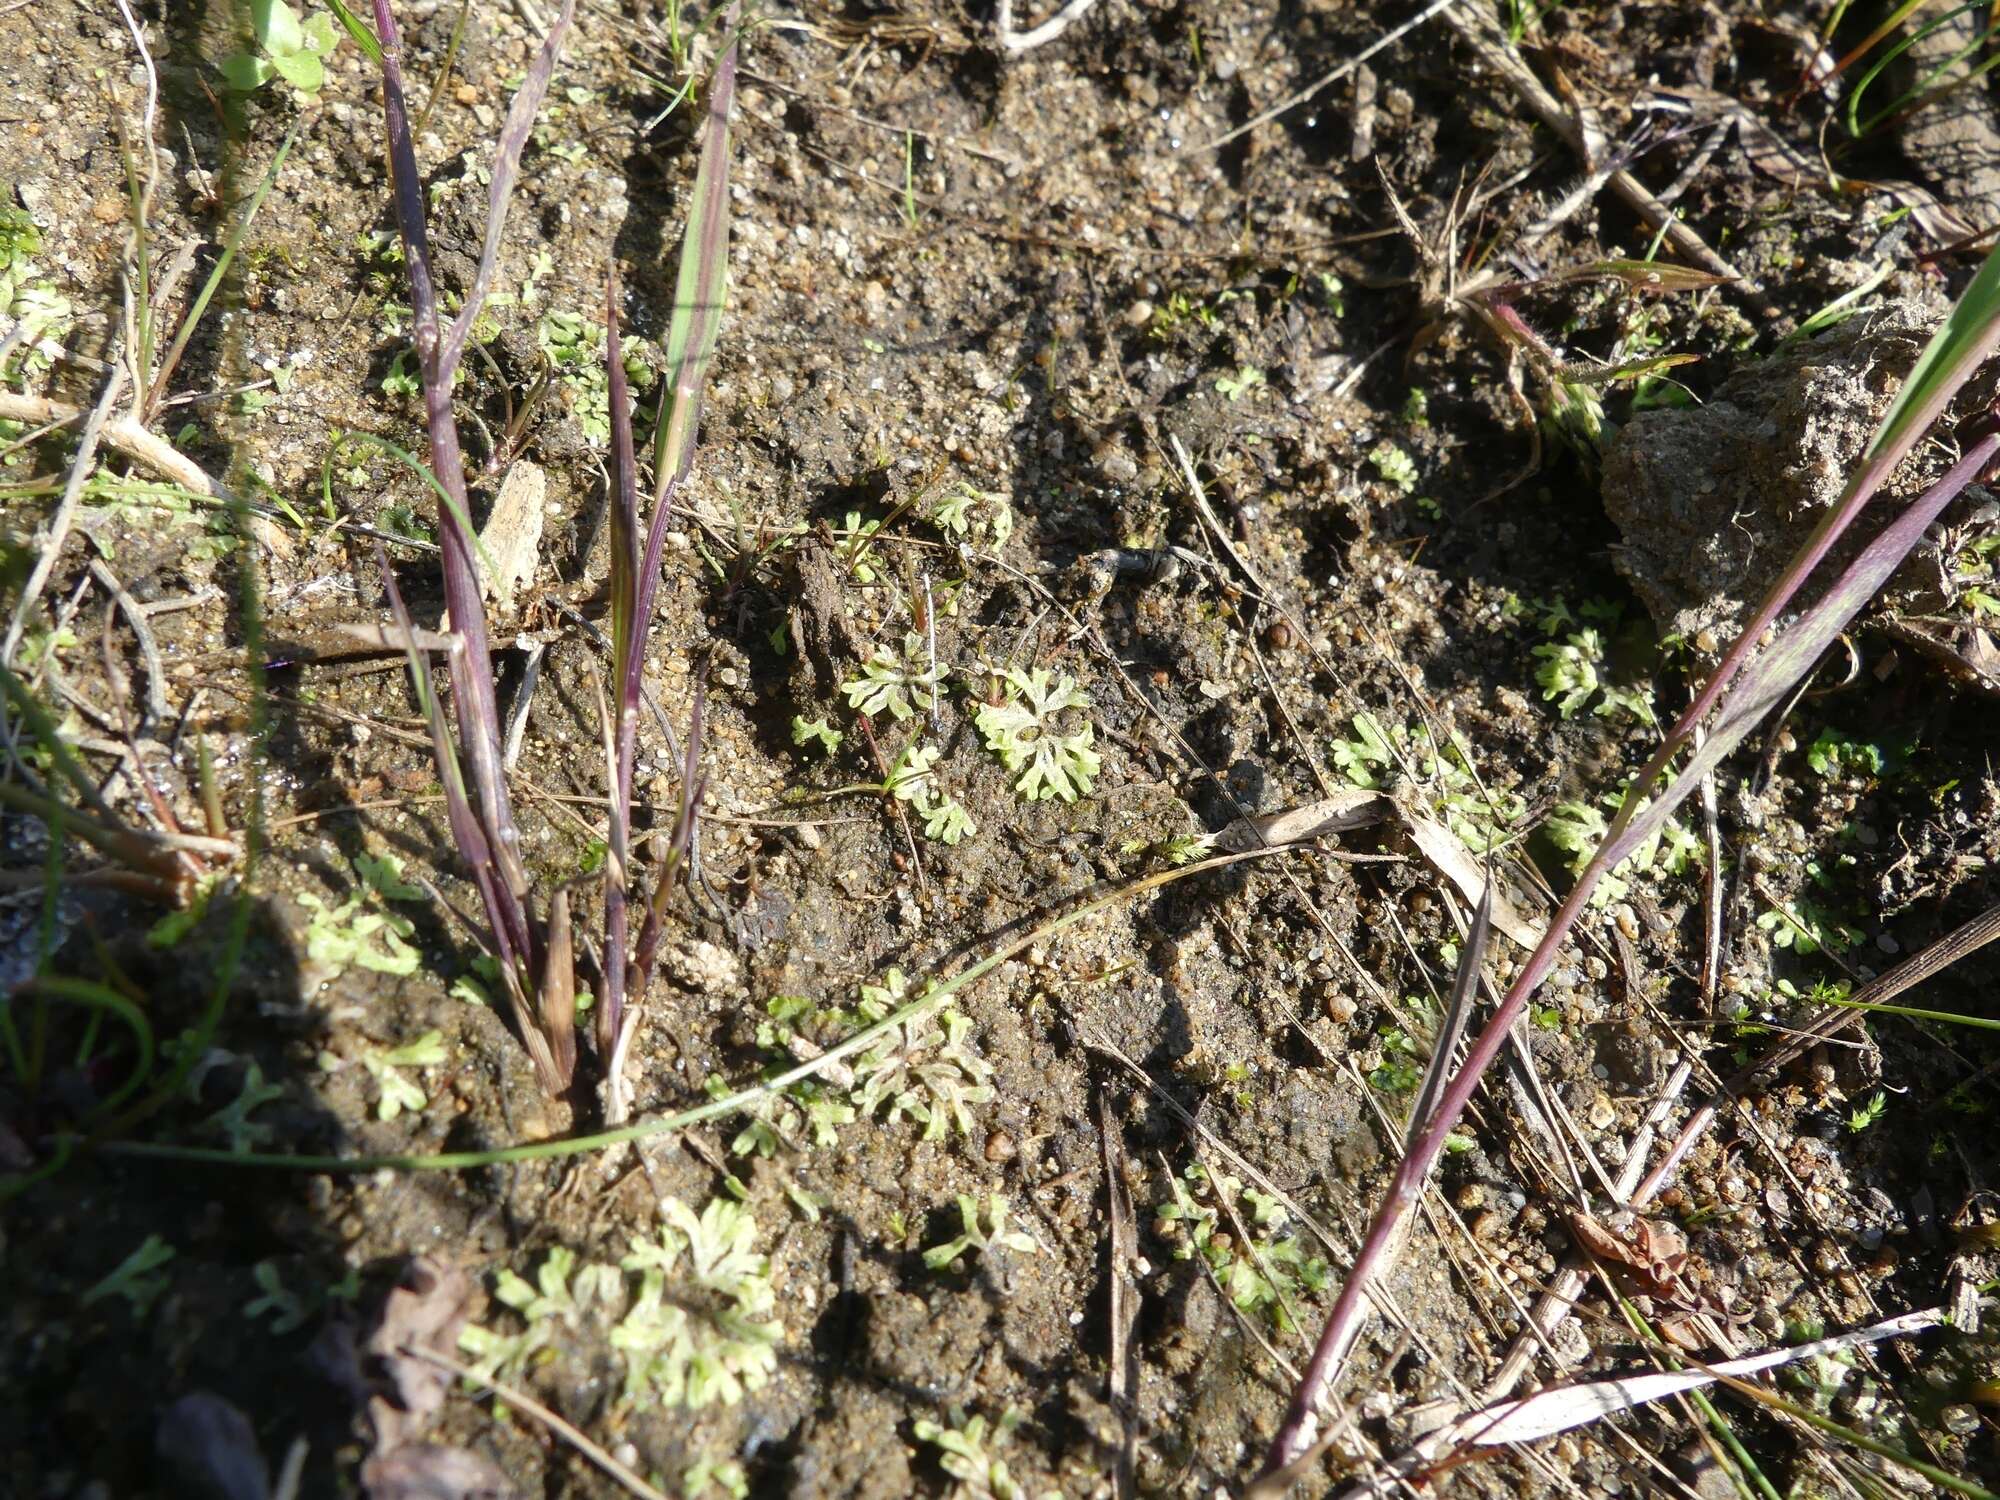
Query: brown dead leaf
[(1297, 825), (1454, 861), (425, 1311), (431, 1471)]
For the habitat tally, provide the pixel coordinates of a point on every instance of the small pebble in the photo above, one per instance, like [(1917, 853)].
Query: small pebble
[(1000, 1146)]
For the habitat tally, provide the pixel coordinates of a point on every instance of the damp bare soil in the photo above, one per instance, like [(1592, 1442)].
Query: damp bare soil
[(1224, 476)]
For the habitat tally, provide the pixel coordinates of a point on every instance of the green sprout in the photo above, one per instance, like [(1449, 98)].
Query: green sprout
[(910, 772), (911, 780), (20, 240), (860, 536), (285, 48), (133, 1277), (1401, 1068), (1394, 465), (1576, 658), (174, 927), (233, 1120), (715, 1339), (805, 731), (1867, 1114), (1024, 731), (964, 1454), (574, 347), (1368, 759), (1568, 673), (725, 1474), (809, 1109), (1578, 828), (1834, 754), (1242, 383), (287, 1310), (374, 939), (1807, 927), (946, 821), (1479, 817), (41, 315), (548, 1303), (1276, 1269), (922, 1069), (955, 514), (395, 1093), (901, 683), (985, 1230)]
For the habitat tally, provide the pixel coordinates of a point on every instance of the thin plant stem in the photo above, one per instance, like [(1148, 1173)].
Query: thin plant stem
[(733, 1103)]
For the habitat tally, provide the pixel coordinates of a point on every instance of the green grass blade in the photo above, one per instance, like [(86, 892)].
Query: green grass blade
[(230, 246), (701, 285), (363, 34)]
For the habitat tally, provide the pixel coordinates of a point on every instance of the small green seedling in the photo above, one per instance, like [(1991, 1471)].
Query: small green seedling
[(911, 780), (40, 314), (985, 1230), (965, 511), (1242, 383), (133, 1278), (1368, 760), (922, 1069), (1578, 828), (1806, 927), (964, 1453), (1571, 674), (946, 822), (1270, 1278), (286, 48), (1834, 754), (807, 1112), (574, 346), (397, 1092), (900, 683), (1867, 1114), (1024, 729), (809, 731), (1402, 1065), (347, 934), (233, 1120), (714, 1346), (548, 1303), (286, 1309), (1568, 673), (724, 1474), (1394, 465)]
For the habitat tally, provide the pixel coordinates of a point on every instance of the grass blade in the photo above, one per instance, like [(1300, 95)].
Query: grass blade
[(223, 261), (700, 288), (509, 937), (635, 568), (1962, 343), (506, 170), (1946, 365), (628, 636)]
